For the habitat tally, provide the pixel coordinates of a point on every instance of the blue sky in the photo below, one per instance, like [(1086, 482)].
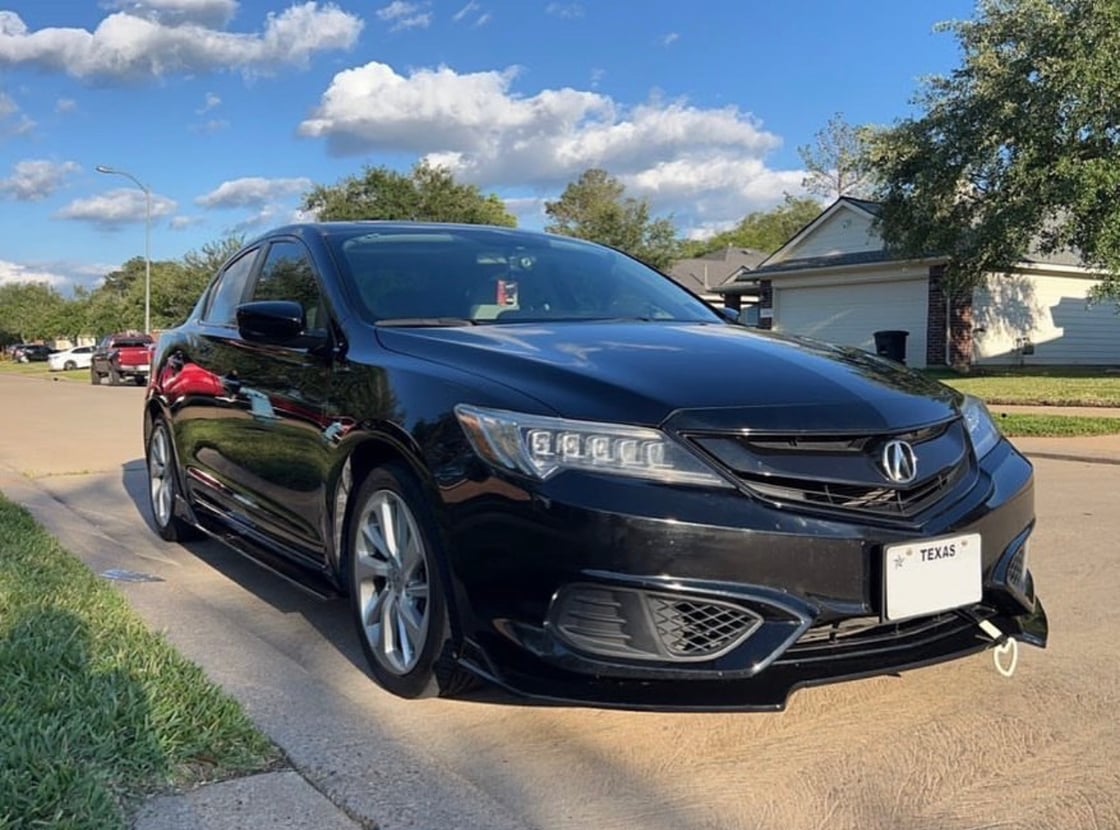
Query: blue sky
[(228, 110)]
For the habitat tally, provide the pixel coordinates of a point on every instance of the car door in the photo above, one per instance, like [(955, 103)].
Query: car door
[(283, 444), (199, 380)]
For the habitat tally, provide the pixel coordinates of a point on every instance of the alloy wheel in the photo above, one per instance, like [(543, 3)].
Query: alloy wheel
[(161, 483), (391, 578)]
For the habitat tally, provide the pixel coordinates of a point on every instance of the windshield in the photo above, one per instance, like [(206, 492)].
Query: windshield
[(480, 275)]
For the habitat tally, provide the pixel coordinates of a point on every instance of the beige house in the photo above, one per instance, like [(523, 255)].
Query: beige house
[(835, 281), (706, 275)]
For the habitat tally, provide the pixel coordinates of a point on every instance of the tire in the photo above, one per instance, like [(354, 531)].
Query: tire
[(397, 598), (94, 378), (114, 376), (69, 366), (139, 380), (159, 456)]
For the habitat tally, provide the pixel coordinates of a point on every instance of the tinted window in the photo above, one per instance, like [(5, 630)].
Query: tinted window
[(227, 293), (497, 276), (287, 275)]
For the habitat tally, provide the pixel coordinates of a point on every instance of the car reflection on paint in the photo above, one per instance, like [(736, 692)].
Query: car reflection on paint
[(533, 461)]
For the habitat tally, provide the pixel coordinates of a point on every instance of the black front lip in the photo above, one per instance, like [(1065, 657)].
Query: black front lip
[(769, 691)]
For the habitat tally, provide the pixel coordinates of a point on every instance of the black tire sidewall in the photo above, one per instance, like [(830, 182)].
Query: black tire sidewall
[(421, 680)]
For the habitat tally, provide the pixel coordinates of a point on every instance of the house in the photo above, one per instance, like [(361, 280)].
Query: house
[(834, 280), (705, 275)]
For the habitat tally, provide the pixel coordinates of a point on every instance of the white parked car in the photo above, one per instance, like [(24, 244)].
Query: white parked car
[(77, 358)]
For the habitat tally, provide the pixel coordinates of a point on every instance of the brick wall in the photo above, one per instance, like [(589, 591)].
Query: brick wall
[(959, 319)]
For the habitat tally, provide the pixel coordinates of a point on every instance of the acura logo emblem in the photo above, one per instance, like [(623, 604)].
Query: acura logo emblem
[(899, 462)]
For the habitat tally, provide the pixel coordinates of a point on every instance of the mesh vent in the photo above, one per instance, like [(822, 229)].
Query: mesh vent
[(692, 628), (1016, 570)]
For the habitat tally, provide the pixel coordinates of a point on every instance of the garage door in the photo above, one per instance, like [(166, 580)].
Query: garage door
[(850, 314)]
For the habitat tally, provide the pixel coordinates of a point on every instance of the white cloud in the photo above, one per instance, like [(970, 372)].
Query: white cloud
[(704, 164), (209, 13), (483, 19), (181, 223), (127, 46), (36, 179), (670, 39), (568, 11), (472, 6), (403, 15), (12, 120), (214, 125), (116, 207), (11, 272), (252, 191), (65, 105), (210, 103)]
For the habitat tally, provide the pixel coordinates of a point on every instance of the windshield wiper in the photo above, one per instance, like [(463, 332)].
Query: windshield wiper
[(426, 322)]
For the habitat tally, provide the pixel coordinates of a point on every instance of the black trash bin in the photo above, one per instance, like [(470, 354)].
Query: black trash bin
[(891, 344)]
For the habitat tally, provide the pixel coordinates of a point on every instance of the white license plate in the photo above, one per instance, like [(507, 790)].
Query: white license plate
[(931, 575), (143, 368)]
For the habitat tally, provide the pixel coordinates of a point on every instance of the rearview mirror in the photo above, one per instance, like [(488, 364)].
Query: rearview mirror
[(731, 314)]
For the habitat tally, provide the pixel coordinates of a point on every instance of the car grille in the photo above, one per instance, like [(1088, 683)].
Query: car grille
[(869, 635), (692, 628), (842, 473), (623, 622)]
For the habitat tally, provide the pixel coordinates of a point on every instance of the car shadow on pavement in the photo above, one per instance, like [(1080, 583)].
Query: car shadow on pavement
[(329, 617)]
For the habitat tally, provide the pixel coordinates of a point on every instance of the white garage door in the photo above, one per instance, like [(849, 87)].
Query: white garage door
[(850, 314)]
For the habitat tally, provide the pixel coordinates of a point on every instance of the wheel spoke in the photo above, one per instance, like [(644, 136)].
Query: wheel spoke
[(386, 515), (368, 566), (407, 633), (416, 590), (372, 607)]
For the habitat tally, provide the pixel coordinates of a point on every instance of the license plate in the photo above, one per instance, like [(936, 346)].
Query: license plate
[(931, 575), (143, 367)]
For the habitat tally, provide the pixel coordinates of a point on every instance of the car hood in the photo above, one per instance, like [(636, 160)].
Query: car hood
[(701, 375)]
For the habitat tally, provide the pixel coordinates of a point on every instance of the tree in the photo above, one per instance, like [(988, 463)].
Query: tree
[(763, 230), (594, 207), (1018, 149), (30, 310), (427, 194), (838, 161)]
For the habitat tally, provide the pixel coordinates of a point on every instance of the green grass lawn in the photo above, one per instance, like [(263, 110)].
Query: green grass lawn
[(95, 710), (1053, 426), (42, 370), (1039, 386)]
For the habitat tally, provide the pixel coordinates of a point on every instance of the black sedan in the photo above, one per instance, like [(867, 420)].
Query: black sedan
[(535, 461)]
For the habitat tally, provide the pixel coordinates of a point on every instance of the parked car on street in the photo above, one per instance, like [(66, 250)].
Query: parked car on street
[(31, 353), (121, 357), (535, 461), (67, 360)]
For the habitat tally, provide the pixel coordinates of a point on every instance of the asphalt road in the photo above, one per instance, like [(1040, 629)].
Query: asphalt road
[(947, 747)]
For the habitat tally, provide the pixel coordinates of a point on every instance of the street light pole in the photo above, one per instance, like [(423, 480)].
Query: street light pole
[(101, 168)]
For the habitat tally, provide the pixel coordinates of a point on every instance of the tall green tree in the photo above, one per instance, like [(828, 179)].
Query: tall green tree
[(595, 207), (427, 194), (762, 230), (1018, 148), (838, 161), (30, 310)]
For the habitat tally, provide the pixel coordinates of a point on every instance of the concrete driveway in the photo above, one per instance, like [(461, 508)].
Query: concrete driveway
[(952, 746)]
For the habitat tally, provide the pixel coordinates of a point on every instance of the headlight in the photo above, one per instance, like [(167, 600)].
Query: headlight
[(539, 446), (982, 429)]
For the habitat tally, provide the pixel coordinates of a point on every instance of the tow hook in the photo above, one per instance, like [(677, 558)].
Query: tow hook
[(1006, 654)]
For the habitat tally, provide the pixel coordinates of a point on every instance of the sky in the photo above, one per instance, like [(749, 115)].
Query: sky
[(229, 110)]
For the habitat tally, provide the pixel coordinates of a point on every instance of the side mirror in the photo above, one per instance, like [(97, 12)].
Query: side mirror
[(277, 323), (731, 314)]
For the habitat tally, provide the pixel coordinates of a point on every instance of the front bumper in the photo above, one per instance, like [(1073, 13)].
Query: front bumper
[(561, 594)]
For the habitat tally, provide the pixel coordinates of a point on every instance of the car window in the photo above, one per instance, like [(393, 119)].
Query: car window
[(287, 274), (494, 277), (228, 291)]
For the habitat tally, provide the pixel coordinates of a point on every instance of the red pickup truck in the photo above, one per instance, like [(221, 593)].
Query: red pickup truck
[(120, 356)]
